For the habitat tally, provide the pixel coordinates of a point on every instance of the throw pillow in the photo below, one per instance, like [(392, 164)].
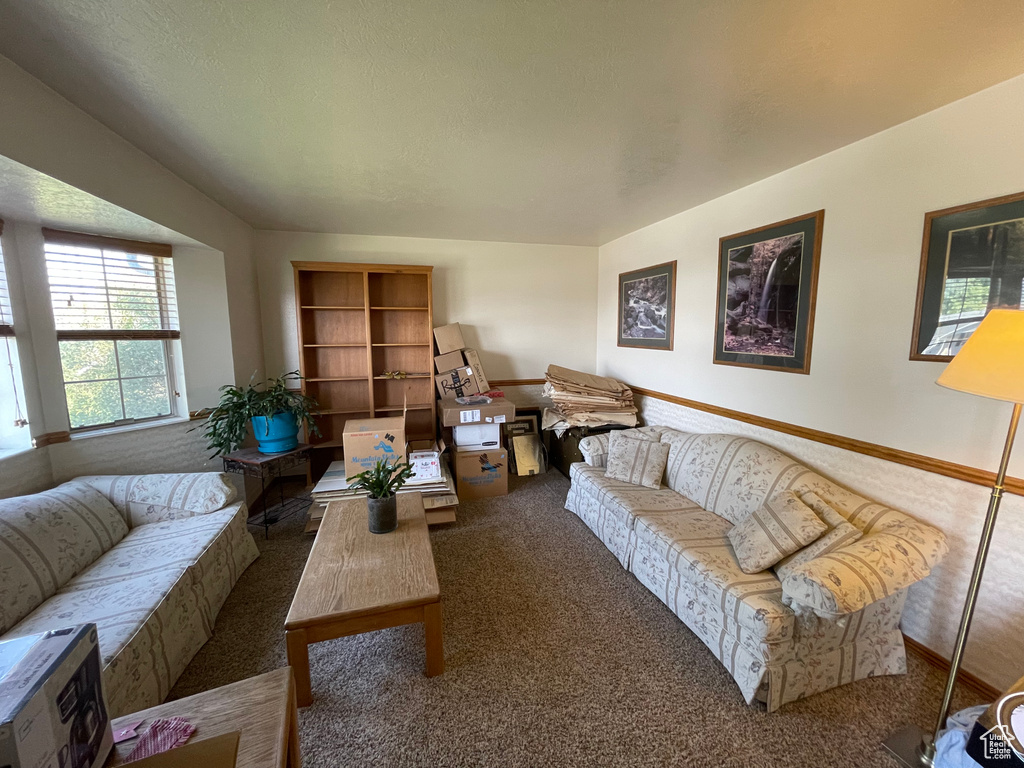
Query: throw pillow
[(780, 527), (640, 462), (840, 533)]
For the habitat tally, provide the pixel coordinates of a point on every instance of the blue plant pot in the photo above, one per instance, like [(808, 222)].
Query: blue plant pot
[(277, 433)]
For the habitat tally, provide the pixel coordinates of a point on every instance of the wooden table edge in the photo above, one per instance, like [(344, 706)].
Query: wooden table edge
[(327, 618)]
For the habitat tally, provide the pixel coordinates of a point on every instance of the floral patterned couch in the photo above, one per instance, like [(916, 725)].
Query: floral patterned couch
[(150, 559), (780, 641)]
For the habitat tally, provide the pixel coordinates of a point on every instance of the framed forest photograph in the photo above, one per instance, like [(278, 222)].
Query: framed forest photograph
[(767, 281), (972, 260), (647, 307)]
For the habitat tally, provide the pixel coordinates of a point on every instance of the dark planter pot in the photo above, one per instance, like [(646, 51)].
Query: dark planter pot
[(383, 514)]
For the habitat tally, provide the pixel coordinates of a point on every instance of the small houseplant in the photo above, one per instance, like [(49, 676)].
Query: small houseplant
[(274, 410), (382, 483)]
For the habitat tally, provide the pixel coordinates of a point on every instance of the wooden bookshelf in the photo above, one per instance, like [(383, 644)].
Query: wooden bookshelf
[(356, 321)]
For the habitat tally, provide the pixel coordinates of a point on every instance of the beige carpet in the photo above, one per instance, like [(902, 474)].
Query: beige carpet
[(554, 656)]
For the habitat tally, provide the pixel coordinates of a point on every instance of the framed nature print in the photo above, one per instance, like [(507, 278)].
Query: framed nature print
[(647, 307), (767, 281), (972, 260)]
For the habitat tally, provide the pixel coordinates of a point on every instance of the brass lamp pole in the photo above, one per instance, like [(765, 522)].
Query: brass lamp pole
[(990, 364)]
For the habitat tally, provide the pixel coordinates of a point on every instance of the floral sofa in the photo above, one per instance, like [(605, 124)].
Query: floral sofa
[(833, 620), (150, 559)]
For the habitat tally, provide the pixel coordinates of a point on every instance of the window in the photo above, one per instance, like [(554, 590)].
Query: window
[(117, 324), (13, 435)]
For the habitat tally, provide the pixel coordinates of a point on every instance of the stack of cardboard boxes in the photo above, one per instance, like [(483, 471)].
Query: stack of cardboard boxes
[(480, 462)]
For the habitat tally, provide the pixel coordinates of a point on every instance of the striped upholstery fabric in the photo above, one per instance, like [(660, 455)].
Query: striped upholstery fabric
[(639, 462), (595, 447), (777, 528), (152, 498), (776, 648), (47, 538), (154, 596), (840, 533)]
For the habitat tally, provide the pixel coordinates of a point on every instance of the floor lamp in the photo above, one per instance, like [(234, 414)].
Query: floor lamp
[(990, 364)]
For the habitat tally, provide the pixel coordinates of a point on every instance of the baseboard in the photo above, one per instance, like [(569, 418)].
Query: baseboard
[(966, 679)]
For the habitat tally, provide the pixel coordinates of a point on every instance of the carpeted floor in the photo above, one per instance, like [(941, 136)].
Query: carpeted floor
[(555, 656)]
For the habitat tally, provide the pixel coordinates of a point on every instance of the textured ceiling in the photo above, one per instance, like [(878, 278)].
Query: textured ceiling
[(28, 195), (560, 121)]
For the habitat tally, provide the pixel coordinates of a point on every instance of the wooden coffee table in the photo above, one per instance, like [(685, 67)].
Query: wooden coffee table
[(262, 708), (356, 581)]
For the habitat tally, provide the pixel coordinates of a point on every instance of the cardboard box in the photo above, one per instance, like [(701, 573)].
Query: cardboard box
[(477, 437), (481, 474), (52, 710), (450, 361), (449, 338), (529, 453), (366, 441), (425, 459), (473, 361), (457, 383), (498, 412)]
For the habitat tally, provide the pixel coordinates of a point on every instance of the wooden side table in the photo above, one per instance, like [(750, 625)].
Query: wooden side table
[(262, 708), (266, 466)]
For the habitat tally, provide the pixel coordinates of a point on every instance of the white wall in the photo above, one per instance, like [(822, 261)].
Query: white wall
[(522, 306), (875, 194), (45, 132), (201, 287)]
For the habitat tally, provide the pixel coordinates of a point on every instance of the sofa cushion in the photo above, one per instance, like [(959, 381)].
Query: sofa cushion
[(149, 628), (154, 548), (778, 528), (595, 447), (854, 576), (695, 544), (147, 498), (839, 534), (640, 462), (622, 500), (46, 539), (728, 475)]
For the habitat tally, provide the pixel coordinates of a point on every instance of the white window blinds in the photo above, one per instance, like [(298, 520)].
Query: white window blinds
[(6, 317), (110, 289)]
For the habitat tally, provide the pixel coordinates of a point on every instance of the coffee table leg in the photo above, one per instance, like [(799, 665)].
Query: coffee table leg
[(294, 754), (435, 638), (298, 659)]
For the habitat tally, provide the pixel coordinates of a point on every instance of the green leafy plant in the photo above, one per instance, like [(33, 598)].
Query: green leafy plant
[(227, 424), (383, 480)]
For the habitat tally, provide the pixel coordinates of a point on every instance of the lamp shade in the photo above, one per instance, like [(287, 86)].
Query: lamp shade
[(991, 363)]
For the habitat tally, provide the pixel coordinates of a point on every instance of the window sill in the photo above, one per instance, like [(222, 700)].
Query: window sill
[(9, 453), (169, 421)]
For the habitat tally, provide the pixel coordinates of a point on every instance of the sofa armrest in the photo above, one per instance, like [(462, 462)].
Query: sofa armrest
[(855, 576), (595, 450), (145, 499)]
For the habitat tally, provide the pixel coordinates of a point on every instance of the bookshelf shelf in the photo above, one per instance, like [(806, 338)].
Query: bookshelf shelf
[(354, 320)]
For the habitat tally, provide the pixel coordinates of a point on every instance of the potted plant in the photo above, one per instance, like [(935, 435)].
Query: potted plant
[(274, 410), (382, 483)]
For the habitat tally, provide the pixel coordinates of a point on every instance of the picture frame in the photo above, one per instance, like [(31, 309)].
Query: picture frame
[(523, 424), (646, 315), (767, 286), (972, 261)]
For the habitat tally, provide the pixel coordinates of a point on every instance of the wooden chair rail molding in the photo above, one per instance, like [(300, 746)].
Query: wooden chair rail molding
[(49, 438), (974, 475)]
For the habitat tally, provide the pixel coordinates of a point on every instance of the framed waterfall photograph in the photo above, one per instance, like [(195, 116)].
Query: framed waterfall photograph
[(647, 307), (972, 260), (767, 281)]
